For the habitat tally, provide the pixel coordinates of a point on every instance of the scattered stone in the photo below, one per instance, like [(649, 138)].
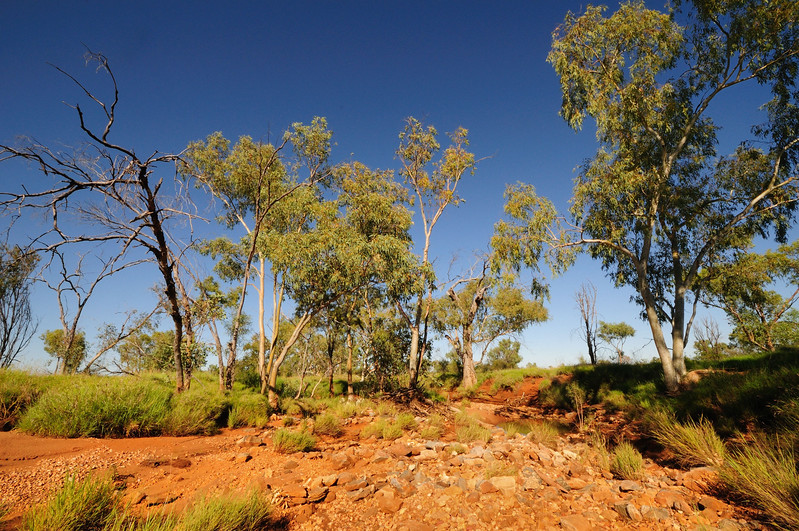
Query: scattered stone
[(242, 457), (317, 494), (388, 503), (399, 450), (629, 485), (576, 522), (708, 502), (628, 510), (340, 461), (249, 441), (700, 479)]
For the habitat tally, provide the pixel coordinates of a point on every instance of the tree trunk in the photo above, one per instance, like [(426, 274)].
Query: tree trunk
[(261, 324), (350, 390), (302, 321), (162, 256), (413, 356), (671, 377), (469, 374)]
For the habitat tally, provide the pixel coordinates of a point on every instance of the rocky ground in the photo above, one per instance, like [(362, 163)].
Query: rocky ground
[(511, 482)]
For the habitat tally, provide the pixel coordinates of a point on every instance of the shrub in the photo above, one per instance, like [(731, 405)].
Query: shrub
[(405, 421), (693, 443), (553, 394), (506, 381), (328, 424), (468, 429), (433, 428), (765, 474), (287, 441), (79, 505), (99, 407), (431, 433), (373, 429), (473, 433), (195, 412), (248, 409), (545, 433), (392, 431), (18, 391), (228, 513), (626, 462)]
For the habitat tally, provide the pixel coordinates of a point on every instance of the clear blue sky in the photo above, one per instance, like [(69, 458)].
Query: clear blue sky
[(186, 69)]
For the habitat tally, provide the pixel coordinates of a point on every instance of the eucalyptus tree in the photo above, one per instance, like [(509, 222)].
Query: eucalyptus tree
[(250, 178), (105, 195), (746, 288), (434, 185), (656, 203), (17, 325), (615, 335), (356, 240), (481, 311)]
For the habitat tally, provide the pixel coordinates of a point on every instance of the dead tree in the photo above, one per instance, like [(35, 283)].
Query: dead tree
[(110, 196), (585, 297)]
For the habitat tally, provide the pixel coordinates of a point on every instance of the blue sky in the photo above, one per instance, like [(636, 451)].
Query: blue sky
[(187, 69)]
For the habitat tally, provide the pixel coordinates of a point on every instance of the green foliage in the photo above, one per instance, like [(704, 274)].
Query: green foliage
[(615, 334), (503, 356), (17, 326), (745, 288), (94, 504), (80, 505), (328, 424), (764, 472), (151, 350), (195, 412), (506, 381), (405, 421), (468, 429), (693, 443), (18, 390), (99, 407), (286, 441), (251, 512), (626, 462), (248, 409), (656, 204), (553, 394), (69, 356)]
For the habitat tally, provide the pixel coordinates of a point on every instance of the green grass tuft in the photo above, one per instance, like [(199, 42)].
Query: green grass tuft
[(248, 409), (86, 504), (692, 443), (99, 407), (626, 462), (230, 513), (328, 424), (287, 441)]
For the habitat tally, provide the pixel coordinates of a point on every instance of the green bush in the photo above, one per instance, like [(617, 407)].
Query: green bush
[(468, 429), (328, 424), (79, 505), (692, 443), (765, 473), (248, 409), (99, 407), (287, 441), (18, 390), (626, 462), (229, 513), (195, 412), (405, 421)]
